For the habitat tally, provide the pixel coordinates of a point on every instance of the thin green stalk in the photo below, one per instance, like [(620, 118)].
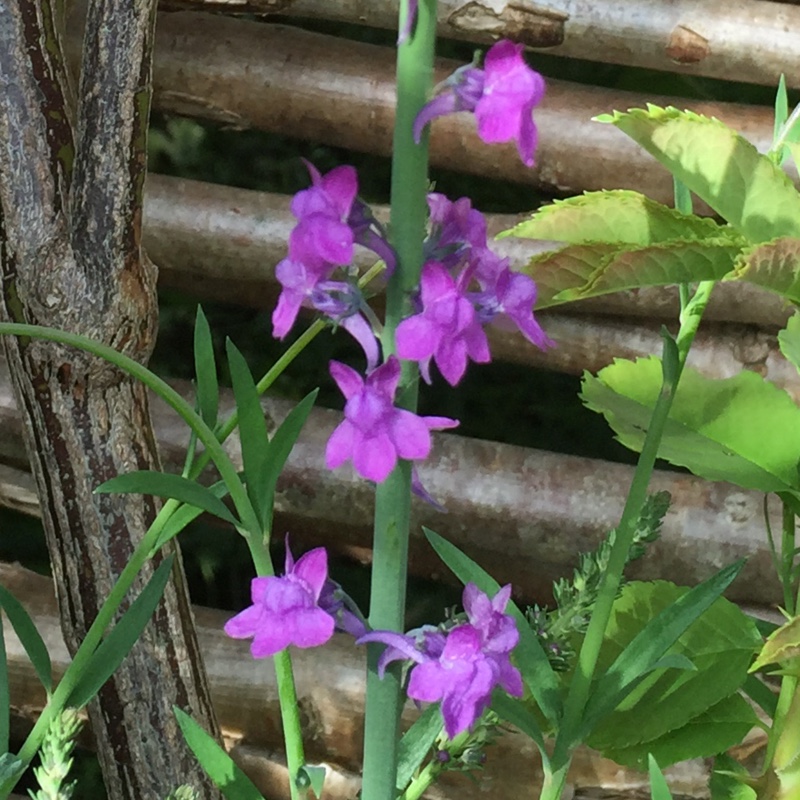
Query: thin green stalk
[(674, 358), (787, 559), (393, 497), (290, 718), (422, 782)]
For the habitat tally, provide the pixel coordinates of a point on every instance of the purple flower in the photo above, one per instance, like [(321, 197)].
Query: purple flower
[(502, 96), (447, 329), (374, 434), (335, 602), (286, 610), (456, 229), (461, 669)]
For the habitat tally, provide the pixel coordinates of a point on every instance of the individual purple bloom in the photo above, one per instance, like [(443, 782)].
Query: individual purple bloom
[(459, 669), (299, 274), (447, 329), (502, 95), (456, 229), (331, 195), (374, 434), (286, 610), (512, 295)]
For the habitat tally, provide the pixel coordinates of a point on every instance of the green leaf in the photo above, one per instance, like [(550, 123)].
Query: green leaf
[(312, 778), (782, 645), (774, 266), (219, 766), (781, 115), (10, 768), (5, 697), (789, 340), (674, 697), (531, 659), (761, 695), (658, 785), (280, 447), (581, 271), (723, 725), (185, 514), (617, 217), (165, 484), (743, 429), (416, 743), (725, 785), (112, 650), (514, 711), (29, 638), (205, 368), (744, 187), (252, 428)]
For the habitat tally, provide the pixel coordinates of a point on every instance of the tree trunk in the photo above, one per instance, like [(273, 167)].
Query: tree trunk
[(71, 182)]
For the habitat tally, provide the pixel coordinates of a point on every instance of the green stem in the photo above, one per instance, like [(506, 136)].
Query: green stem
[(422, 782), (674, 359), (290, 717), (393, 497), (787, 559)]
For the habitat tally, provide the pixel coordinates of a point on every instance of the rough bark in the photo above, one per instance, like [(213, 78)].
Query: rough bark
[(71, 182), (246, 74), (331, 688)]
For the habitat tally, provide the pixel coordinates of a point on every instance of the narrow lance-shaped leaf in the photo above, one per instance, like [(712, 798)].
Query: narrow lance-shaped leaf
[(618, 217), (721, 167), (416, 744), (658, 785), (5, 698), (252, 428), (530, 657), (29, 638), (118, 643), (283, 440), (646, 649), (186, 514), (205, 369), (165, 484), (230, 779)]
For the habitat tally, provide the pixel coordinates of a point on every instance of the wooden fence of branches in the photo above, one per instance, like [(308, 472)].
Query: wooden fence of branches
[(513, 509)]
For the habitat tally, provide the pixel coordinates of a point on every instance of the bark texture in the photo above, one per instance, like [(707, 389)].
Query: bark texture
[(71, 184)]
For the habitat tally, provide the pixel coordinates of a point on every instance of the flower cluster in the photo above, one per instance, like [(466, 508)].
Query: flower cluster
[(459, 667)]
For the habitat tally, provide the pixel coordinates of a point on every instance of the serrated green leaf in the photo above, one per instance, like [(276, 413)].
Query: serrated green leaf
[(581, 271), (724, 784), (774, 266), (743, 429), (789, 340), (617, 217), (29, 638), (205, 370), (651, 620), (416, 743), (533, 663), (658, 784), (122, 637), (165, 484), (252, 428), (721, 167), (719, 727), (781, 646), (280, 447), (219, 766)]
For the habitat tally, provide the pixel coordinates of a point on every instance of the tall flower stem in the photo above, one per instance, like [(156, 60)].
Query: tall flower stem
[(674, 359), (393, 497)]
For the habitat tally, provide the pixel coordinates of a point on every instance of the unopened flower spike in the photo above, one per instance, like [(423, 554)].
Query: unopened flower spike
[(502, 96)]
